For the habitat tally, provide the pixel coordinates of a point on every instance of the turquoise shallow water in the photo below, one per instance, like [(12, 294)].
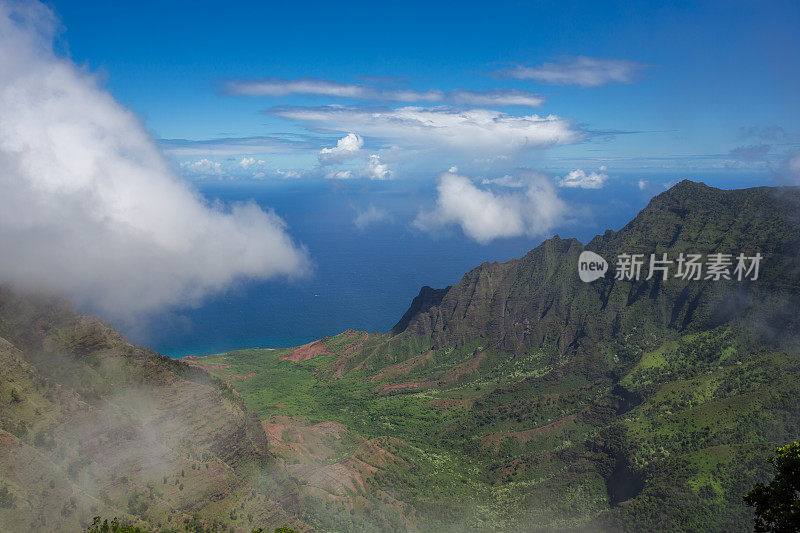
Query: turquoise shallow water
[(362, 279)]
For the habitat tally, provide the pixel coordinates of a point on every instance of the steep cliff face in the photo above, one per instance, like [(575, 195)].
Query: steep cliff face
[(422, 303), (519, 399), (524, 399), (92, 425), (539, 299)]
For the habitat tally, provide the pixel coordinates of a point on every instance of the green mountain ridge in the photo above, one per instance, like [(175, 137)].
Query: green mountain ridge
[(519, 399), (518, 304), (641, 405), (92, 425)]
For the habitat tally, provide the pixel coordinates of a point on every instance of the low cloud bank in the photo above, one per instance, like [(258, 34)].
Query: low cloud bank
[(276, 87), (579, 70), (89, 205), (579, 179), (371, 216), (476, 132), (484, 214), (788, 172), (346, 148)]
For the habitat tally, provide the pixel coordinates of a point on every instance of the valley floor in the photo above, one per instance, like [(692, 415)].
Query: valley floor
[(481, 439)]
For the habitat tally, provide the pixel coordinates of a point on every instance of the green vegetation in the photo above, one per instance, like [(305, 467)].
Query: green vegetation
[(520, 399), (694, 416), (100, 525), (6, 498), (91, 425), (113, 526), (647, 406), (777, 503)]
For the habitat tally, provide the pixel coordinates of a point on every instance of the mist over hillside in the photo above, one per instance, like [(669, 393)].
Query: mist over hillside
[(519, 399), (366, 267)]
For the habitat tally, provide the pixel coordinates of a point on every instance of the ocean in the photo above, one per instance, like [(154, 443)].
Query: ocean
[(363, 278)]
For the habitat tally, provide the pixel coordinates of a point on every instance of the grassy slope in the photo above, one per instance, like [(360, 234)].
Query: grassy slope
[(709, 408), (527, 399), (520, 400), (90, 424)]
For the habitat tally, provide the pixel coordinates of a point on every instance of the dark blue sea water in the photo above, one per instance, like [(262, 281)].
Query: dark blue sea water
[(364, 279)]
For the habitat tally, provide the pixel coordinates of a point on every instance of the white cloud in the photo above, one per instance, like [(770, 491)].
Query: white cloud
[(475, 131), (346, 148), (248, 162), (289, 174), (339, 174), (499, 97), (788, 172), (245, 167), (283, 87), (504, 181), (579, 70), (203, 166), (276, 87), (409, 95), (88, 204), (514, 182), (370, 216), (484, 215), (643, 184), (234, 146), (580, 179), (375, 170)]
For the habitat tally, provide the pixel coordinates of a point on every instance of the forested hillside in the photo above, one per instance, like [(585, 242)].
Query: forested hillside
[(93, 425), (523, 398), (519, 399)]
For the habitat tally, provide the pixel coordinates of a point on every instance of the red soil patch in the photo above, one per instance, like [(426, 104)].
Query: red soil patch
[(210, 366), (328, 429), (450, 378), (493, 440), (351, 473), (7, 442), (347, 351), (352, 347), (464, 369), (404, 367), (292, 430), (289, 437), (374, 455), (341, 362), (313, 349), (306, 351)]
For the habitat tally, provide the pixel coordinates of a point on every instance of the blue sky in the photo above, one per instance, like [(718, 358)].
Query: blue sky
[(702, 75), (310, 166)]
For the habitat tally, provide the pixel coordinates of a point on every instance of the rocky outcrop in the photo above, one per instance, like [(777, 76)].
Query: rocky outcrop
[(539, 300), (93, 425)]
